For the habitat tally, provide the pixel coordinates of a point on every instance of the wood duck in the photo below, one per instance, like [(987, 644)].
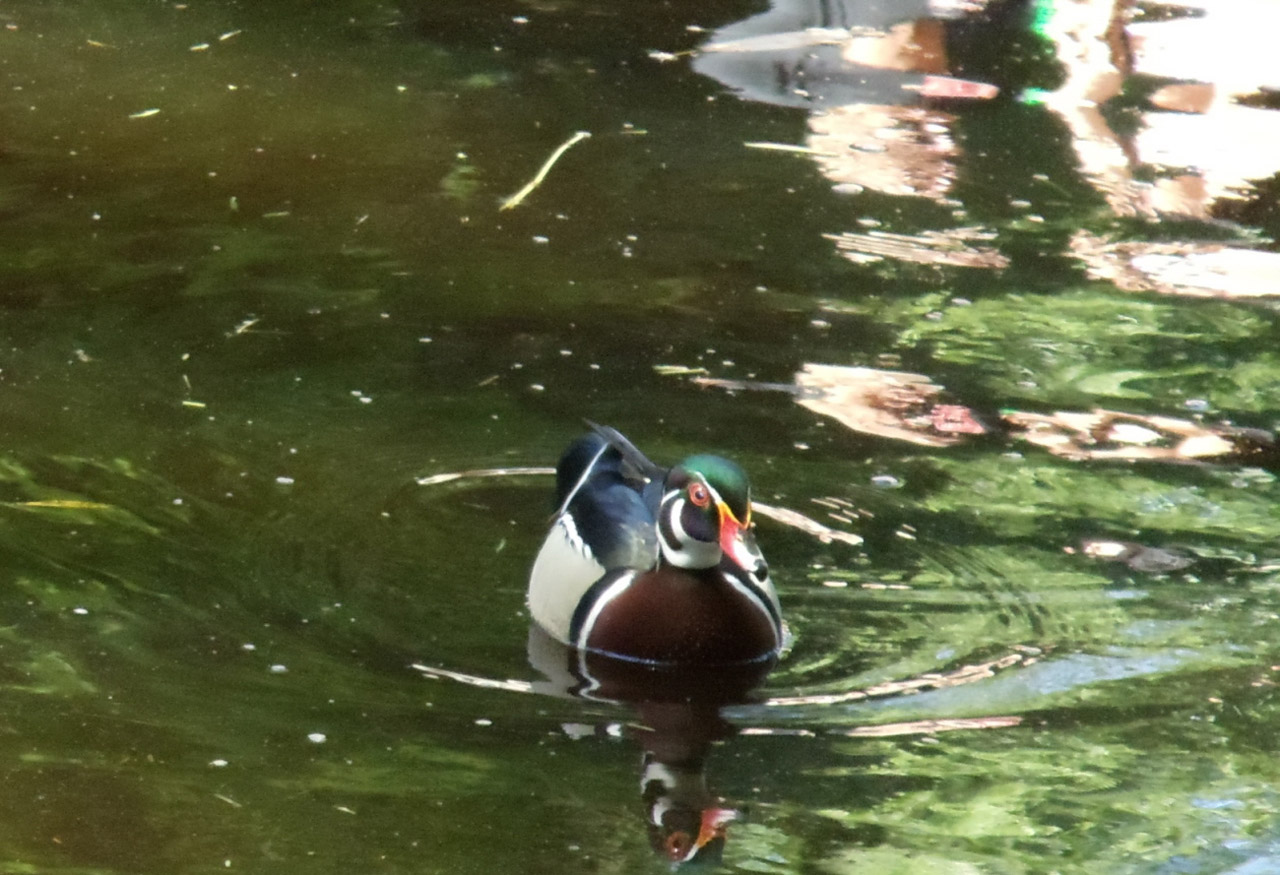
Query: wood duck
[(652, 565)]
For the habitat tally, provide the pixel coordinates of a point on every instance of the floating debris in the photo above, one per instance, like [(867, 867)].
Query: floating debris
[(62, 504), (891, 404), (777, 732), (788, 147), (809, 526), (794, 39), (678, 370), (1139, 557), (244, 326), (518, 198), (951, 87), (479, 473), (904, 151), (665, 57), (145, 113), (937, 248), (967, 674), (1110, 434), (1197, 270), (931, 727), (512, 686)]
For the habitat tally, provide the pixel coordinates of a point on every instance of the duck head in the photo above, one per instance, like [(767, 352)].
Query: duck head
[(705, 517)]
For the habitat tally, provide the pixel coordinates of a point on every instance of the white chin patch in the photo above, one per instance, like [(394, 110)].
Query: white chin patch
[(697, 554)]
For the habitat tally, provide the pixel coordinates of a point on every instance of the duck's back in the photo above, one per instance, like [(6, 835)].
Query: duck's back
[(603, 523)]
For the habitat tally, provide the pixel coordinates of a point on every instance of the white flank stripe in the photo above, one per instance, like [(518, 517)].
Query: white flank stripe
[(614, 590)]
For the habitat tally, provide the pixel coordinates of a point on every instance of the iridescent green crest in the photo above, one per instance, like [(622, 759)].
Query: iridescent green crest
[(727, 479)]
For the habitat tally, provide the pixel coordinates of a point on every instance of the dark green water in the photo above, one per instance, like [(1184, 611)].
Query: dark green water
[(234, 332)]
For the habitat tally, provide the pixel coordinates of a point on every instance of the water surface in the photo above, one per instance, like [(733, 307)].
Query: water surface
[(256, 283)]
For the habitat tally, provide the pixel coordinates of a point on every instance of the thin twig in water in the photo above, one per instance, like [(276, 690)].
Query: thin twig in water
[(477, 473), (788, 147), (518, 198), (511, 686), (932, 727), (797, 520)]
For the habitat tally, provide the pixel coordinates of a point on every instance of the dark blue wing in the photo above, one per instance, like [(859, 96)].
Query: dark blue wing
[(605, 504)]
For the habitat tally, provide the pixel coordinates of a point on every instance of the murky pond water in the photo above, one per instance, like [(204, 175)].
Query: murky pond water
[(984, 300)]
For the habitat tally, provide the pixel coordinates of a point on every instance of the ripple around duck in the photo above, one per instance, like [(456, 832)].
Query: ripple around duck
[(942, 632), (1016, 686), (996, 657)]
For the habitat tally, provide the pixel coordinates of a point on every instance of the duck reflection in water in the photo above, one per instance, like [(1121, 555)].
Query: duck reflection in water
[(649, 589), (677, 718)]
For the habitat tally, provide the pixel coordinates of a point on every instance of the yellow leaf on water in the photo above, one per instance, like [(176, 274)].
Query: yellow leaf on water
[(64, 503)]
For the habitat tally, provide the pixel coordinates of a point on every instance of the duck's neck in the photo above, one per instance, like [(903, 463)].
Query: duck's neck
[(692, 555)]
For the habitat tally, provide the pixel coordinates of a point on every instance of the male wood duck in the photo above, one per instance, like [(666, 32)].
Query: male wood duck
[(654, 565)]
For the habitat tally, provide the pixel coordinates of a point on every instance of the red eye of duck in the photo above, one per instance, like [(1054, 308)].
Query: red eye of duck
[(678, 845), (699, 494)]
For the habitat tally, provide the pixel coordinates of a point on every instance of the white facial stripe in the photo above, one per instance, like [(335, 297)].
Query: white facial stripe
[(669, 510), (687, 551)]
